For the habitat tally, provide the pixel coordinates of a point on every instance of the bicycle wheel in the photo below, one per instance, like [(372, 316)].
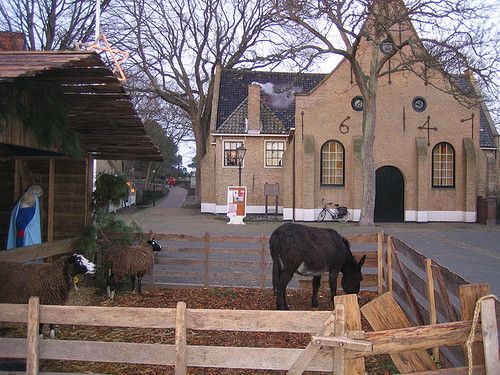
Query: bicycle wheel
[(322, 215), (344, 218)]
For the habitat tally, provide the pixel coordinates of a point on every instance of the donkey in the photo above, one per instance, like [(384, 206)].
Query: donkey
[(311, 251)]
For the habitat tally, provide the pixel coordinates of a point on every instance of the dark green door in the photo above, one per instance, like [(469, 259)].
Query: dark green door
[(389, 195)]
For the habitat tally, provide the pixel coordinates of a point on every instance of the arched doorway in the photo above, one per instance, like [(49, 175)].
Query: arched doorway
[(389, 195)]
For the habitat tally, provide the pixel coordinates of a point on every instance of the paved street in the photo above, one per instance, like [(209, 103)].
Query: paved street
[(470, 250)]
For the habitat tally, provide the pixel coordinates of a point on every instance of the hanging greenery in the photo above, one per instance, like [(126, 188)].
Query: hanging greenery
[(109, 188), (42, 113)]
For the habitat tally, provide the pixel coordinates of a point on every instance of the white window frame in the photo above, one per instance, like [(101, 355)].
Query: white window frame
[(443, 166), (265, 153), (224, 152)]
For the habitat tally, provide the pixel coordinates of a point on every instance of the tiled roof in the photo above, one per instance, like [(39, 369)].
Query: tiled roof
[(277, 99)]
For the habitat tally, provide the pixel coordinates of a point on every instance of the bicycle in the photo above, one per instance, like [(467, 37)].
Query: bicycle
[(339, 213)]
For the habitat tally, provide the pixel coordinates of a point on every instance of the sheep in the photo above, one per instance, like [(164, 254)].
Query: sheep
[(133, 261), (51, 282)]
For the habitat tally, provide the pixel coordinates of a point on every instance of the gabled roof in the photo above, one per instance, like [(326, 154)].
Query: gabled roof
[(98, 106), (277, 99)]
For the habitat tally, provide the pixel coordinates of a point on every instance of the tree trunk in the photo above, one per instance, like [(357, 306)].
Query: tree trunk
[(200, 138)]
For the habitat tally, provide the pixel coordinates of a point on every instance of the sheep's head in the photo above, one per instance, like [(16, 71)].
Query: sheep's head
[(155, 245), (80, 265)]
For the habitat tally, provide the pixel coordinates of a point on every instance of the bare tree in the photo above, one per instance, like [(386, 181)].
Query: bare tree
[(50, 24), (377, 37), (177, 44)]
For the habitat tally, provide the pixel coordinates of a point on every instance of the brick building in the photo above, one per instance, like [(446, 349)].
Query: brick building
[(303, 132)]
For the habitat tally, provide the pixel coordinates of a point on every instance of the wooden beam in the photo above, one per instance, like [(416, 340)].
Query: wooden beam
[(180, 339), (50, 204), (451, 314), (431, 296), (490, 336), (390, 252), (469, 294), (353, 324), (33, 336), (339, 331), (380, 262)]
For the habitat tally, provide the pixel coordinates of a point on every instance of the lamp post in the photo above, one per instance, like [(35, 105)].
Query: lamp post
[(240, 154)]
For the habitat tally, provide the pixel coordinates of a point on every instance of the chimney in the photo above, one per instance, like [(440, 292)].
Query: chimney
[(254, 108), (11, 41)]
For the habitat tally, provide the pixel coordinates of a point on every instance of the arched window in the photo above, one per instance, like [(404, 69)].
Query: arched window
[(332, 163), (443, 165)]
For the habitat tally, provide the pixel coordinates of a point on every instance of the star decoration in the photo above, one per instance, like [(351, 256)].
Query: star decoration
[(118, 56)]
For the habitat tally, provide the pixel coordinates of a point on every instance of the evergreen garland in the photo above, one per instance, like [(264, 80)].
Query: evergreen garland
[(109, 188), (42, 113)]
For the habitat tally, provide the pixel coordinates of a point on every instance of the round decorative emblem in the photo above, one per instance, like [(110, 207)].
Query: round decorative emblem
[(357, 103), (386, 47), (419, 104)]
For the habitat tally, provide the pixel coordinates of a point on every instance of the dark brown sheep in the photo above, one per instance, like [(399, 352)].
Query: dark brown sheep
[(51, 282), (133, 261)]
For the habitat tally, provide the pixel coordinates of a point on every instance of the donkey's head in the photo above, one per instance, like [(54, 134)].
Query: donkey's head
[(351, 272)]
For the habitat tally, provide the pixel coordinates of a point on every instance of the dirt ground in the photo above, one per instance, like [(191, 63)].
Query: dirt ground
[(207, 298)]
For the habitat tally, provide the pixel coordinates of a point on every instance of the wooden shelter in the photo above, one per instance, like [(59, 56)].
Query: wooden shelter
[(93, 112)]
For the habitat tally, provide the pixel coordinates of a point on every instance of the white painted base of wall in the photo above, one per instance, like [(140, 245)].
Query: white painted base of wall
[(311, 214)]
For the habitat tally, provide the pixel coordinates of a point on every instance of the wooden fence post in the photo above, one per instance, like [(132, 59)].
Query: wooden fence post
[(339, 331), (180, 339), (490, 336), (380, 259), (431, 296), (352, 323), (390, 252), (263, 261), (32, 338), (469, 294), (206, 265)]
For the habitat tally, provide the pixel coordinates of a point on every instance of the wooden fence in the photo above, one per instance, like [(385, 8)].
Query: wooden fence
[(37, 252), (428, 292), (337, 332), (215, 261)]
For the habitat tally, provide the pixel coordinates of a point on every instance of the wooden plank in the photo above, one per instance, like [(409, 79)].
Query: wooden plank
[(13, 313), (136, 317), (410, 339), (339, 331), (307, 355), (490, 336), (380, 262), (362, 238), (352, 323), (32, 337), (13, 347), (469, 294), (257, 321), (400, 292), (384, 313), (431, 297), (476, 370), (180, 340), (40, 251), (207, 254), (413, 255), (445, 299), (263, 261), (50, 204), (390, 252), (409, 291), (415, 280)]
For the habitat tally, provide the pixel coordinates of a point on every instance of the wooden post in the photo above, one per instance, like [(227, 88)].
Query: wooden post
[(490, 336), (352, 323), (32, 338), (390, 251), (469, 294), (180, 339), (206, 265), (431, 296), (380, 259), (339, 331), (311, 349), (263, 261), (50, 204)]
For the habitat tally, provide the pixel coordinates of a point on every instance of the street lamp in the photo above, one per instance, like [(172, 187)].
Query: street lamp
[(240, 154)]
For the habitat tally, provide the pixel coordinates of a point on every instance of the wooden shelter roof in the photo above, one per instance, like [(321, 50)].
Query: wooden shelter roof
[(98, 106)]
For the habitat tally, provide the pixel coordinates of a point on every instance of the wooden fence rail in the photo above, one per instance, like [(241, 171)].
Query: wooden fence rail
[(326, 329)]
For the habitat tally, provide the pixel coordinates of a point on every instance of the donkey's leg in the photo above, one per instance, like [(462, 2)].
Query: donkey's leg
[(332, 278), (283, 281), (316, 284), (132, 280)]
